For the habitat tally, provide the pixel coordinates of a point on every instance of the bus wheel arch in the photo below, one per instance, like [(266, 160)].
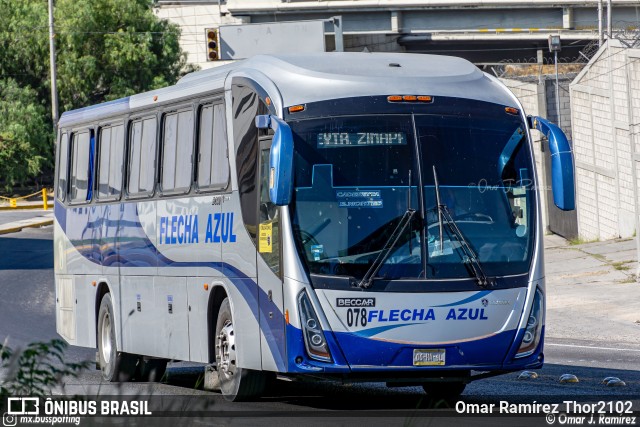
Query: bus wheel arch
[(103, 288), (218, 295)]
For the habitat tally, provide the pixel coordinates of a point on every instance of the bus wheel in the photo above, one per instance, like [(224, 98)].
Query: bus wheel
[(115, 366), (236, 383), (446, 391)]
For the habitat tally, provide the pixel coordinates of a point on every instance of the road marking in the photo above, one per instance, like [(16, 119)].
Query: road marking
[(593, 348)]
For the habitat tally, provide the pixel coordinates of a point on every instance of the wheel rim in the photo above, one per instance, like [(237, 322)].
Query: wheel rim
[(105, 338), (227, 351)]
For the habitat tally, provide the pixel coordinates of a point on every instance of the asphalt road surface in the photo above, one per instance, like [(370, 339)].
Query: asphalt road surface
[(27, 314)]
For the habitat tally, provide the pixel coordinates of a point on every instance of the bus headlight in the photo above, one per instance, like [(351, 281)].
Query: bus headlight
[(533, 330), (314, 340)]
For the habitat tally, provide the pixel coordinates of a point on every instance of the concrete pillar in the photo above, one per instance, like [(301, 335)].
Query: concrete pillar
[(567, 18), (396, 21)]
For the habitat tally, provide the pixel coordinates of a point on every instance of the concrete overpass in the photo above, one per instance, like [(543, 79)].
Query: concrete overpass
[(480, 30)]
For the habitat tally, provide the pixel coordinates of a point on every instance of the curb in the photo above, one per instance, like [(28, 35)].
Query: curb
[(19, 207), (17, 228)]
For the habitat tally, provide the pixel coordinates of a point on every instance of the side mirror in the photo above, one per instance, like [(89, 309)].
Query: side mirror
[(280, 159), (562, 173)]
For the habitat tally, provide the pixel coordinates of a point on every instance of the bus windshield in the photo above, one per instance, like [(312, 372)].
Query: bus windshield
[(357, 177)]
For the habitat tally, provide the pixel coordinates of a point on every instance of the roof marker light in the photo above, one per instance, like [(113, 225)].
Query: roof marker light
[(511, 110), (410, 98), (296, 108)]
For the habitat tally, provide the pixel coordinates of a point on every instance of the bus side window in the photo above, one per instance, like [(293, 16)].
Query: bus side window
[(63, 166), (110, 157), (213, 160), (142, 157), (177, 152), (79, 179)]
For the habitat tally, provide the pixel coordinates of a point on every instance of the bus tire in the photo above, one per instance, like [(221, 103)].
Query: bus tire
[(444, 390), (115, 366), (236, 383)]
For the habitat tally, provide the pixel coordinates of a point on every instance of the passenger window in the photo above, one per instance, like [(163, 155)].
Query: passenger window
[(142, 157), (111, 140), (177, 152), (80, 167), (213, 162), (63, 163)]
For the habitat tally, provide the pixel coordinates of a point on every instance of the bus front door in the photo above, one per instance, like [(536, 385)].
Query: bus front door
[(269, 266)]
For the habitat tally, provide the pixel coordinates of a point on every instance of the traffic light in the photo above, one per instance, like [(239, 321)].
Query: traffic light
[(213, 44)]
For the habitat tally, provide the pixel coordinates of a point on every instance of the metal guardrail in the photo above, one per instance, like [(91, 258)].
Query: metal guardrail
[(13, 201)]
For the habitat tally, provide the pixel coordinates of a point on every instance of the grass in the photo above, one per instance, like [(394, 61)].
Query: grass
[(580, 241), (621, 265)]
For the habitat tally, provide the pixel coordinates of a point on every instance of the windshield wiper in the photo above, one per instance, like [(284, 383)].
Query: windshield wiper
[(391, 242), (470, 259)]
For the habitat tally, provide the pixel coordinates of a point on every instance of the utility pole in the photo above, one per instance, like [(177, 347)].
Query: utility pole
[(609, 19), (600, 34), (555, 46), (52, 60)]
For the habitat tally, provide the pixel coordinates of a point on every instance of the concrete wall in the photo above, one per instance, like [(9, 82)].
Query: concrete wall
[(606, 149), (564, 120)]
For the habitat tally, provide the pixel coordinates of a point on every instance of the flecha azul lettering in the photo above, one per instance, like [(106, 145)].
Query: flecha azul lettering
[(220, 228), (178, 229), (404, 315), (466, 314)]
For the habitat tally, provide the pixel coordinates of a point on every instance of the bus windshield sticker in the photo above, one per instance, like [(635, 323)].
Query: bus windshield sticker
[(435, 250), (360, 139), (359, 199), (317, 251), (265, 242)]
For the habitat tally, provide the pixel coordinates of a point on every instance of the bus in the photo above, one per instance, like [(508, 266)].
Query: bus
[(341, 216)]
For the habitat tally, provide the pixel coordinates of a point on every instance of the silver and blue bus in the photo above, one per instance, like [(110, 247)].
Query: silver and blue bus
[(340, 216)]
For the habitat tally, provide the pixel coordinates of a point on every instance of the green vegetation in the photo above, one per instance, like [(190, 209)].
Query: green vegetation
[(622, 265), (581, 241), (35, 370), (106, 49)]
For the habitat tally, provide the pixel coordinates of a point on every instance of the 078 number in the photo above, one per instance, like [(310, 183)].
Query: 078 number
[(356, 317)]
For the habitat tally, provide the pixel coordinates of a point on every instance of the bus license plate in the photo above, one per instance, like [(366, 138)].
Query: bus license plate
[(431, 357)]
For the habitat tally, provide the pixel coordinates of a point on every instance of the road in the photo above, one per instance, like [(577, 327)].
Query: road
[(27, 305)]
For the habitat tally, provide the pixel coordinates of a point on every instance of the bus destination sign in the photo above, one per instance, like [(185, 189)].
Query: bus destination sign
[(360, 139)]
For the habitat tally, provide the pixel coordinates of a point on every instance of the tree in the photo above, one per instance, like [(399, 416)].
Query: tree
[(25, 134), (106, 49), (109, 49)]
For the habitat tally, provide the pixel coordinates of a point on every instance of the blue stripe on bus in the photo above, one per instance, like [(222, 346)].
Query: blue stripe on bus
[(474, 297), (139, 251)]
